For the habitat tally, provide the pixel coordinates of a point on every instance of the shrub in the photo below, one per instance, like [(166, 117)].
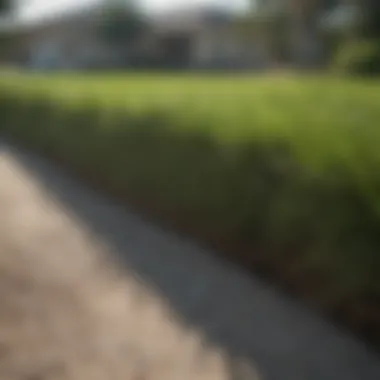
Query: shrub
[(296, 180), (358, 57)]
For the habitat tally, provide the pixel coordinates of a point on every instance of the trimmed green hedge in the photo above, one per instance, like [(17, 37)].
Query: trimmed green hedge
[(289, 169)]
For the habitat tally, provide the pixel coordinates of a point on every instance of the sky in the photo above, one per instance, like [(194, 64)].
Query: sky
[(34, 9)]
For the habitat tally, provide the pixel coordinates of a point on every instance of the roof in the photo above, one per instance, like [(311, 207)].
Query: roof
[(190, 20), (180, 19)]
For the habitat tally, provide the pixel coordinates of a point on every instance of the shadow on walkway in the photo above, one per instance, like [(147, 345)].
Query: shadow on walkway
[(249, 320)]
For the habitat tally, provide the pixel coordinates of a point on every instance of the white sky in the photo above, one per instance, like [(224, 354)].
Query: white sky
[(32, 9)]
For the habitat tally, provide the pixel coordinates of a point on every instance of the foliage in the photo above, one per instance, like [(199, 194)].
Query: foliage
[(358, 57), (369, 27), (281, 166), (121, 24), (4, 5), (7, 39)]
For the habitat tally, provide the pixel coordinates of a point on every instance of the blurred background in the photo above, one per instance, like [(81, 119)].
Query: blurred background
[(212, 34)]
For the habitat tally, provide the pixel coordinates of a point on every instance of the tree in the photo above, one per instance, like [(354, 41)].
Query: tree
[(8, 8), (369, 27), (359, 50), (6, 35), (121, 23), (4, 6)]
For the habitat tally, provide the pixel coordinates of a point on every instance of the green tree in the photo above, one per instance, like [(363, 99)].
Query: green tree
[(121, 23), (4, 6), (6, 35), (359, 50), (369, 27)]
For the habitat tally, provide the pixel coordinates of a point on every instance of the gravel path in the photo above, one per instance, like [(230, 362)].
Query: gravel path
[(173, 312)]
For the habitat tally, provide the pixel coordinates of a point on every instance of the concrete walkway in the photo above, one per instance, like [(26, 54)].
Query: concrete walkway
[(88, 291)]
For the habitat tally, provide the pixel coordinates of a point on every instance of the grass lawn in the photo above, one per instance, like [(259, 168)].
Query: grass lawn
[(283, 165)]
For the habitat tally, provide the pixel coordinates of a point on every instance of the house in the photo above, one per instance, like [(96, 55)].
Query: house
[(208, 39), (65, 42), (188, 39), (184, 39), (312, 21)]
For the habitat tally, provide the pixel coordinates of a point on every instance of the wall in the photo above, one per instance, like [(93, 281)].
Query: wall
[(224, 46)]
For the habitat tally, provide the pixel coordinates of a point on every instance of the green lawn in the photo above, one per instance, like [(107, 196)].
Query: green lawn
[(287, 165)]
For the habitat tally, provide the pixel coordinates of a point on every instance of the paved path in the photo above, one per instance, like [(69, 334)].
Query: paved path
[(67, 310)]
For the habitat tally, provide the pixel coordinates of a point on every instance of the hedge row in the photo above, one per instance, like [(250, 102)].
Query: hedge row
[(312, 220)]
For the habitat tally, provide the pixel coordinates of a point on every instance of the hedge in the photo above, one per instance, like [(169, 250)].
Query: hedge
[(282, 175)]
